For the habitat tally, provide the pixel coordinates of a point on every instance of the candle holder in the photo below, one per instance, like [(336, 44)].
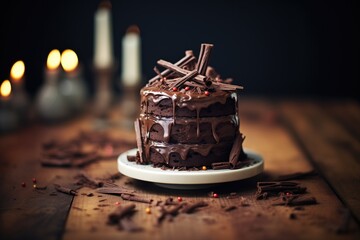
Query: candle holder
[(20, 101), (9, 120), (103, 91), (73, 89), (129, 104), (8, 116), (51, 105)]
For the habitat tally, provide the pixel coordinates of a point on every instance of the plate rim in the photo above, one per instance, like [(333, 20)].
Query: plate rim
[(157, 175)]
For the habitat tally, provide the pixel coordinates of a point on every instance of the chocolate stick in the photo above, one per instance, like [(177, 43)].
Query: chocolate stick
[(139, 140), (179, 70), (158, 73), (203, 60), (131, 197), (236, 150), (121, 212), (189, 56), (65, 190), (185, 78)]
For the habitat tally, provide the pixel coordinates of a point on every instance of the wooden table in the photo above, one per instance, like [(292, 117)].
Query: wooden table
[(292, 136)]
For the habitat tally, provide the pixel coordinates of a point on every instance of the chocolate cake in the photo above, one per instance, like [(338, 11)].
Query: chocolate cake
[(189, 116)]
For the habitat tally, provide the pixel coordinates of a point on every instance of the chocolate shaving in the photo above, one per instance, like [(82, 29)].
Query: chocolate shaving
[(85, 180), (296, 200), (190, 208), (131, 197), (120, 212), (131, 158), (203, 60), (236, 150), (82, 150), (220, 165), (115, 190), (36, 187), (66, 190)]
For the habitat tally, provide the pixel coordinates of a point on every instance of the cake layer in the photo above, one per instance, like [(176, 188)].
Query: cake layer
[(188, 155), (183, 104), (190, 130)]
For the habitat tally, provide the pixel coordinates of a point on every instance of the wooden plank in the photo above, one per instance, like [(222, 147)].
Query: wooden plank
[(260, 220), (26, 213), (346, 113), (331, 148)]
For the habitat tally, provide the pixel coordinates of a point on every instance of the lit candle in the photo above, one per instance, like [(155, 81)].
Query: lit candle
[(17, 72), (5, 90), (72, 86), (20, 99), (131, 57), (52, 65), (51, 105), (103, 47), (8, 117)]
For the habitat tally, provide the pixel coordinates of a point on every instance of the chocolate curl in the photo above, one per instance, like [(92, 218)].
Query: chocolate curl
[(236, 150), (296, 200), (121, 212), (192, 207), (189, 56), (139, 140), (179, 70), (185, 78), (204, 56)]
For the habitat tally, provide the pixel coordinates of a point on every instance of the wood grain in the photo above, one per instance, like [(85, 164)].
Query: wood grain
[(264, 134), (331, 147)]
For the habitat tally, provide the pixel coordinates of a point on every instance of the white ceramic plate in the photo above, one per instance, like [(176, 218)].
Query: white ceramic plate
[(188, 179)]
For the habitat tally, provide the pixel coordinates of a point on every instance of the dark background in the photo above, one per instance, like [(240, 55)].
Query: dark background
[(272, 48)]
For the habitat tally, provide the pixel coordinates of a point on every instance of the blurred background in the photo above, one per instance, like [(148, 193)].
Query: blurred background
[(272, 48)]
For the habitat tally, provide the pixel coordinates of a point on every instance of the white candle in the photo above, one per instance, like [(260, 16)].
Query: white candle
[(72, 86), (20, 99), (131, 57), (103, 48), (8, 117)]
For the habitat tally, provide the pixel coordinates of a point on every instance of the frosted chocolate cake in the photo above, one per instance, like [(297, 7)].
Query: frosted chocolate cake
[(189, 117)]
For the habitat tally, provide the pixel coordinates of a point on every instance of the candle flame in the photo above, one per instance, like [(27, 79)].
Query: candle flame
[(17, 71), (133, 29), (5, 88), (53, 60), (69, 60)]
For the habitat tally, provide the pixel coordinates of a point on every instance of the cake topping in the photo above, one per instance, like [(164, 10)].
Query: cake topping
[(189, 74)]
